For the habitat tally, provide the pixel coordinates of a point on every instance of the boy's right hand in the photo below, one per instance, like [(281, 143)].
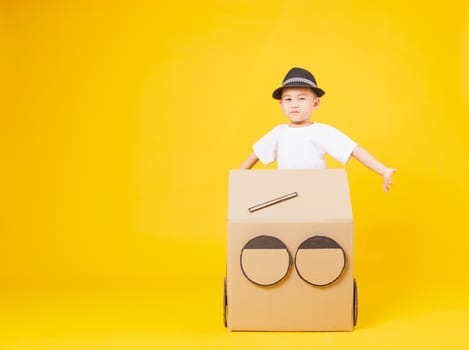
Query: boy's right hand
[(387, 176)]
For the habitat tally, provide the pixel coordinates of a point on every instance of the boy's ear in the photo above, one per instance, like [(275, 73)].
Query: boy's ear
[(316, 102)]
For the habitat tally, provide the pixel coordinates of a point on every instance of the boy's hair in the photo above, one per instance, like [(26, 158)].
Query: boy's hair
[(312, 90)]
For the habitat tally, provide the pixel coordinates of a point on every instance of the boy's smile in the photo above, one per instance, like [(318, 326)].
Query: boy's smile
[(298, 103)]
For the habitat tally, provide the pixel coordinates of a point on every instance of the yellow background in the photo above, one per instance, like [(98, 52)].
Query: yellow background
[(121, 120)]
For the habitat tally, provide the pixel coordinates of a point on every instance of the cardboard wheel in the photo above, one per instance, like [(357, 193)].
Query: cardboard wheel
[(225, 303), (355, 302)]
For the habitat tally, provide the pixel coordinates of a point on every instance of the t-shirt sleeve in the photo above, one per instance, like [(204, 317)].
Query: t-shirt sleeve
[(337, 144), (266, 148)]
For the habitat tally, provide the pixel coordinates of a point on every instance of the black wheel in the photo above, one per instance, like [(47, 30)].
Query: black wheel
[(225, 303), (355, 302)]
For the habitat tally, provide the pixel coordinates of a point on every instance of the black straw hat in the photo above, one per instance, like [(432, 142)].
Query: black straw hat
[(298, 77)]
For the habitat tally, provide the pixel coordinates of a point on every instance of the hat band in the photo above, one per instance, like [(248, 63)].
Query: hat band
[(299, 80)]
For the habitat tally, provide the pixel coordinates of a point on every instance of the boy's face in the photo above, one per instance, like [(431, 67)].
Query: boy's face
[(298, 103)]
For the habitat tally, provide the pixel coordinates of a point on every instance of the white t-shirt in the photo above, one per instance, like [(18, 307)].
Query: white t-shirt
[(303, 148)]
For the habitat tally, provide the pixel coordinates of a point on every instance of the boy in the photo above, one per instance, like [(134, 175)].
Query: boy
[(302, 144)]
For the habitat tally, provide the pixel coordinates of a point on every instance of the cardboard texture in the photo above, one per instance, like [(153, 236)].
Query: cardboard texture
[(289, 261)]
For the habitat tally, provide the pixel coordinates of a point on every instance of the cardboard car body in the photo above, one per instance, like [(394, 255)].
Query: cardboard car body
[(289, 251)]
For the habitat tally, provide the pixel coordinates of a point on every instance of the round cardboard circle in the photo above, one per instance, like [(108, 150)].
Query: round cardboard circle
[(265, 260), (320, 260)]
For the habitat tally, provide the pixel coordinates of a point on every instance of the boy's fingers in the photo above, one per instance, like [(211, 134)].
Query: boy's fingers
[(387, 184)]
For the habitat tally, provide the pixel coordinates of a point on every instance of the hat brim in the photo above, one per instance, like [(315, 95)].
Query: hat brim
[(277, 94)]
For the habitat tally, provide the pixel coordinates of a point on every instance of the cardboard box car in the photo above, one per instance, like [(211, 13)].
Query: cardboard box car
[(289, 251)]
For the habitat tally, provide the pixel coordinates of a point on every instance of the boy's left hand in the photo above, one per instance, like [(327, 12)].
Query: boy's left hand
[(388, 178)]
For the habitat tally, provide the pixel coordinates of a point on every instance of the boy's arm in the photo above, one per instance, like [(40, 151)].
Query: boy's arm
[(364, 157), (250, 162)]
